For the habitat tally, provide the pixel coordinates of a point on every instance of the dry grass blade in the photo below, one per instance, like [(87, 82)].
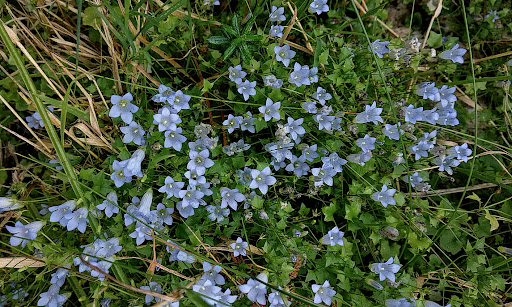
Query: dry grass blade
[(158, 265), (438, 10), (362, 9), (19, 262)]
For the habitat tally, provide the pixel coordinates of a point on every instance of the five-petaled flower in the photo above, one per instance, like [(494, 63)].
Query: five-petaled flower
[(123, 107), (323, 293), (386, 269), (21, 234), (385, 196), (239, 247)]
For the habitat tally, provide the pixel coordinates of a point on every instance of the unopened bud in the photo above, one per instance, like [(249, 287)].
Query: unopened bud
[(375, 284)]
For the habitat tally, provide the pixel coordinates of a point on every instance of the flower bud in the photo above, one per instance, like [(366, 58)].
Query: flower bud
[(375, 284)]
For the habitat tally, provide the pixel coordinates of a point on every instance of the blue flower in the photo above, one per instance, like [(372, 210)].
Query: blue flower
[(145, 203), (59, 277), (446, 95), (321, 95), (165, 95), (434, 304), (318, 6), (277, 14), (391, 131), (217, 213), (309, 152), (8, 203), (284, 54), (333, 237), (22, 233), (461, 152), (493, 14), (178, 254), (295, 129), (425, 144), (272, 81), (228, 299), (141, 233), (34, 121), (324, 121), (210, 292), (428, 90), (119, 175), (446, 163), (59, 211), (270, 110), (367, 143), (232, 123), (171, 187), (379, 48), (447, 116), (153, 287), (190, 197), (181, 101), (199, 161), (386, 269), (110, 204), (256, 290), (247, 123), (77, 219), (312, 73), (239, 247), (277, 299), (166, 119), (298, 166), (163, 214), (194, 178), (133, 167), (360, 158), (211, 273), (276, 30), (455, 54), (246, 88), (323, 293), (309, 106), (430, 116), (123, 107), (385, 196), (414, 179), (400, 302), (174, 139), (262, 179), (231, 197), (52, 297), (370, 114), (333, 161), (108, 248), (412, 114), (236, 74), (299, 75), (323, 175), (133, 132)]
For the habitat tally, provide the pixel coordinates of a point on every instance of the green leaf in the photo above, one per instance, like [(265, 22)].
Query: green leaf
[(248, 26), (353, 208), (229, 30), (245, 53), (252, 38), (435, 40), (218, 40), (196, 299), (450, 242), (260, 124), (329, 212), (207, 85), (414, 242), (492, 219), (235, 24), (257, 202), (91, 18)]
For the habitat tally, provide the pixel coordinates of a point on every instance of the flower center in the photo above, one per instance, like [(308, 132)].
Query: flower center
[(167, 93), (123, 103), (165, 122), (282, 54)]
